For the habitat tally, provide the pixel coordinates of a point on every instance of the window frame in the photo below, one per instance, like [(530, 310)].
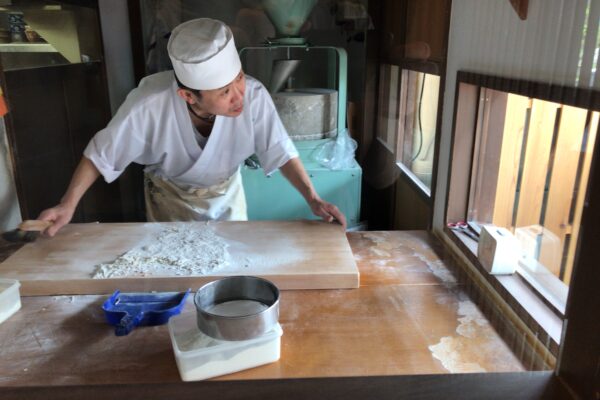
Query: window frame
[(519, 291), (425, 67)]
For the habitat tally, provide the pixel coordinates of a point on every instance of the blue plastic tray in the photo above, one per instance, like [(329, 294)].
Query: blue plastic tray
[(127, 310)]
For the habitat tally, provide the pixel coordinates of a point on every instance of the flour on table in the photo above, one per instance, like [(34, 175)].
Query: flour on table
[(475, 345), (181, 249)]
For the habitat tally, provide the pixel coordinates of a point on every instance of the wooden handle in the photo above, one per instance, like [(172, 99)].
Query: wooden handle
[(34, 225)]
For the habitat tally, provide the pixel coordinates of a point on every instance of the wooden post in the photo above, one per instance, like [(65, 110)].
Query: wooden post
[(581, 193), (535, 165), (562, 185), (510, 157)]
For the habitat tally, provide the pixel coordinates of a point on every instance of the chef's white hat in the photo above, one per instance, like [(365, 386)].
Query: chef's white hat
[(203, 54)]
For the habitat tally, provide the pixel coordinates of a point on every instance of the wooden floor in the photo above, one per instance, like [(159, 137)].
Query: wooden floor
[(408, 317)]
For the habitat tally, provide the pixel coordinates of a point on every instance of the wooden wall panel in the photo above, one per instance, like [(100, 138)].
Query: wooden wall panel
[(462, 143), (427, 23), (392, 26), (562, 185), (535, 166), (487, 155), (411, 211), (508, 172)]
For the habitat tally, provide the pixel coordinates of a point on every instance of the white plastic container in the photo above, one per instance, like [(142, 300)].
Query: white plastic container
[(498, 250), (201, 357), (10, 300)]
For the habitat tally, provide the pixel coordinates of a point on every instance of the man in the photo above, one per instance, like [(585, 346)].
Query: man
[(193, 127)]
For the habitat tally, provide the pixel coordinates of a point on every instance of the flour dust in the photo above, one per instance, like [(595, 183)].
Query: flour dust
[(178, 250)]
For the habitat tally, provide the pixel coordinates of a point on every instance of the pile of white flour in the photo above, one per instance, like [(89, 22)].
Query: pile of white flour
[(182, 249)]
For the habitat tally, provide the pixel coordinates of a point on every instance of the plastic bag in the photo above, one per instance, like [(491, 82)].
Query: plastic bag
[(336, 154)]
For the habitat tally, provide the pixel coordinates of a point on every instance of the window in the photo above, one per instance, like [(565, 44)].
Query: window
[(521, 159), (407, 120), (532, 162)]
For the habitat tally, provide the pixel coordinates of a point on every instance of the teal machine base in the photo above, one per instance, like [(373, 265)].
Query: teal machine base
[(274, 198)]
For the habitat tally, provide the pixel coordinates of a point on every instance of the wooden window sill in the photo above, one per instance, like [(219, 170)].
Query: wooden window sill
[(416, 182), (537, 314)]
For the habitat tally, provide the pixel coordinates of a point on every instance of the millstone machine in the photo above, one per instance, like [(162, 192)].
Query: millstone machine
[(308, 86)]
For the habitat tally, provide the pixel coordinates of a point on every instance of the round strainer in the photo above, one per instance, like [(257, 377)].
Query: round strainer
[(237, 307)]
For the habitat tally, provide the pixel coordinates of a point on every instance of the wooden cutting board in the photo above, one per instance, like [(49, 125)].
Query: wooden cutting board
[(292, 254)]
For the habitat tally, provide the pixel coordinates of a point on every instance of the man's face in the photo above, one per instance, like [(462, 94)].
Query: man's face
[(227, 101)]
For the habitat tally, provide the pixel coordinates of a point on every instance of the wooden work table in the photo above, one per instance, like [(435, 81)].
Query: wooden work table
[(409, 317)]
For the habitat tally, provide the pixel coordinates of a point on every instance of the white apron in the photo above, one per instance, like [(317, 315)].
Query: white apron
[(165, 201)]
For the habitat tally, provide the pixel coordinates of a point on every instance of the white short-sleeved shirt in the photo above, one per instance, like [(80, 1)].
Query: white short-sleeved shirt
[(153, 128)]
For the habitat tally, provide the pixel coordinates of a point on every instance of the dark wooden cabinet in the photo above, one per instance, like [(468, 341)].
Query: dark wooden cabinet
[(54, 112), (55, 108)]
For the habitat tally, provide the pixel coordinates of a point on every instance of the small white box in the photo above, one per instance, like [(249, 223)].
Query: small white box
[(498, 250), (10, 300), (199, 356)]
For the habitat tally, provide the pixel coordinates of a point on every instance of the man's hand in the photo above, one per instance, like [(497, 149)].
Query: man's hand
[(327, 211), (294, 172), (59, 215), (85, 174)]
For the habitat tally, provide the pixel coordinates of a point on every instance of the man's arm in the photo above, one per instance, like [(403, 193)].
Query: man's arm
[(84, 176), (294, 172)]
